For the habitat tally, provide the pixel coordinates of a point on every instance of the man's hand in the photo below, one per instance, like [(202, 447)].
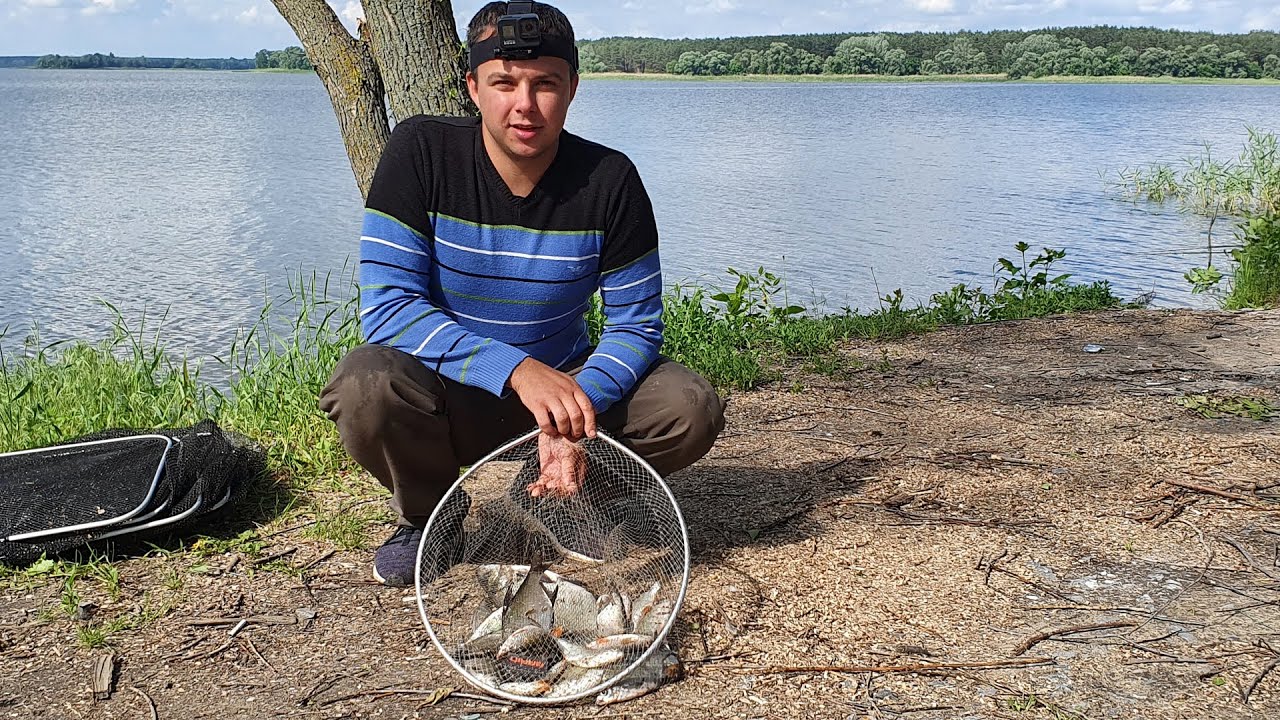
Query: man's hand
[(564, 467), (555, 399)]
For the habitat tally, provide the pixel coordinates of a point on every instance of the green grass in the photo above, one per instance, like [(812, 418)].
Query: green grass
[(1239, 406), (739, 337)]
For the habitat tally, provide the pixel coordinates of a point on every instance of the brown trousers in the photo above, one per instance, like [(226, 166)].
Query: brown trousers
[(413, 429)]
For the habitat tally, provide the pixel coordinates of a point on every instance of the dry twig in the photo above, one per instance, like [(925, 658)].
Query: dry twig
[(155, 714), (1031, 642)]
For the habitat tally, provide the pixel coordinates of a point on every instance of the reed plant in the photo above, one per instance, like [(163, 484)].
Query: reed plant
[(1247, 192), (1205, 185)]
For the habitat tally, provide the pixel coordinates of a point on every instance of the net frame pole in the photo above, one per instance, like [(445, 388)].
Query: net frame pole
[(155, 484), (658, 640)]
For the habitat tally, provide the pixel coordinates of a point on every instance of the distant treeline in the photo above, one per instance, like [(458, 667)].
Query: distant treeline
[(98, 60), (18, 61), (1102, 50), (290, 58)]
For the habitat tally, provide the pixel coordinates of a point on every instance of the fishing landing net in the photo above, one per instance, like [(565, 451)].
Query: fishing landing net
[(119, 485), (546, 600)]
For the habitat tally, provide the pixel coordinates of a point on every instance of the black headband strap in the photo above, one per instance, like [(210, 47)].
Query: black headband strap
[(551, 46)]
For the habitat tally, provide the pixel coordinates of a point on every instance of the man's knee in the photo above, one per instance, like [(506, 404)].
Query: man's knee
[(702, 412), (369, 383)]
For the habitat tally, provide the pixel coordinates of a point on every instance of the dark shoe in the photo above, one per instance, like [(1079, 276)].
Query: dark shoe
[(394, 562)]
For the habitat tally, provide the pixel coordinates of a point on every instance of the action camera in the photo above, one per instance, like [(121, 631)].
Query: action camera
[(519, 31)]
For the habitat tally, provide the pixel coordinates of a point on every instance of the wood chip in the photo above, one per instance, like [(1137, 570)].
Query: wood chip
[(104, 676)]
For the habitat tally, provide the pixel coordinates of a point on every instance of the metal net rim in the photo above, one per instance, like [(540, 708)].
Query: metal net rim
[(658, 640)]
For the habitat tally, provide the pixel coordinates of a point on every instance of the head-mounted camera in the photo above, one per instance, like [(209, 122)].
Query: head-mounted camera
[(518, 36)]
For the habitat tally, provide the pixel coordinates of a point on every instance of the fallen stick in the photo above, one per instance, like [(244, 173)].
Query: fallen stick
[(1208, 490), (274, 556), (253, 619), (890, 669), (155, 714), (1035, 639), (1248, 558), (1256, 681)]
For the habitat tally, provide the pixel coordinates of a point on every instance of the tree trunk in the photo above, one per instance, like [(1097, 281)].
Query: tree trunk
[(351, 77), (408, 53), (416, 46)]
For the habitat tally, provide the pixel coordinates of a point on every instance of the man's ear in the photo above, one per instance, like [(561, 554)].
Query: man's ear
[(573, 86), (472, 87)]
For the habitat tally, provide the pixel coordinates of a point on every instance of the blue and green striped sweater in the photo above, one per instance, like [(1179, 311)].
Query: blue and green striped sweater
[(471, 279)]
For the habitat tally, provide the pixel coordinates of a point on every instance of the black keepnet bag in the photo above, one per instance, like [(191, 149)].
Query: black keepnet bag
[(120, 486)]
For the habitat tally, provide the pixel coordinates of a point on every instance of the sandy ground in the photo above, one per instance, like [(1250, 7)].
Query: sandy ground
[(984, 522)]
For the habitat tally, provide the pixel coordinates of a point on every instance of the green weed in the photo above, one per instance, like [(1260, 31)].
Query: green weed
[(347, 530), (1241, 406)]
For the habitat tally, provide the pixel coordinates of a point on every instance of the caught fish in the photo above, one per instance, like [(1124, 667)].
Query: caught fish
[(537, 688), (523, 640), (529, 604), (498, 579), (578, 680), (661, 668), (485, 645), (611, 617), (574, 610), (579, 656), (652, 622), (624, 642), (484, 670), (643, 605), (489, 626)]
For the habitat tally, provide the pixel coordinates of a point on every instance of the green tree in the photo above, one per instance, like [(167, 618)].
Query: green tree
[(590, 62), (961, 57), (1271, 67)]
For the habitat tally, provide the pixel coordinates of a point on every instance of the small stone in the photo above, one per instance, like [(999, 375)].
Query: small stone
[(1093, 349), (305, 614)]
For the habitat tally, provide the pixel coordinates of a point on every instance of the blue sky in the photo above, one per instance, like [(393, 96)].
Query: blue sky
[(238, 28)]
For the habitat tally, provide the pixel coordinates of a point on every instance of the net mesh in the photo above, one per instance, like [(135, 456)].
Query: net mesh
[(552, 599), (202, 470)]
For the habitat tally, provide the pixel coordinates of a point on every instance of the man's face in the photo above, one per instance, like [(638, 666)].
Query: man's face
[(523, 103)]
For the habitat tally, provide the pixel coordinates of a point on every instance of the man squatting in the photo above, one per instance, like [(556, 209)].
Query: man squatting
[(482, 243)]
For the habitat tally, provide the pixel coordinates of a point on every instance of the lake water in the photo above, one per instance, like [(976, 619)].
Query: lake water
[(200, 192)]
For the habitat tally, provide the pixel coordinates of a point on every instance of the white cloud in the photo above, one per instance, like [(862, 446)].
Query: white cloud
[(107, 6), (218, 28), (351, 12), (934, 7)]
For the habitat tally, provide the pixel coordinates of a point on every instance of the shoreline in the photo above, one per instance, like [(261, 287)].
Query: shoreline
[(908, 79)]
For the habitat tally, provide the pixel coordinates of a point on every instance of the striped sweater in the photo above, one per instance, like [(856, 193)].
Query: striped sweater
[(470, 279)]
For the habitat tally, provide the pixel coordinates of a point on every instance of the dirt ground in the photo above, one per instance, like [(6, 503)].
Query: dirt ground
[(983, 522)]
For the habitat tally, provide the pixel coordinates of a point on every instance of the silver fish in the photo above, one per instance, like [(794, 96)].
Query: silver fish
[(537, 688), (644, 604), (489, 626), (579, 656), (529, 604), (656, 619), (661, 668), (484, 645), (484, 670), (624, 642), (497, 579), (611, 618), (578, 680), (522, 639), (574, 610)]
